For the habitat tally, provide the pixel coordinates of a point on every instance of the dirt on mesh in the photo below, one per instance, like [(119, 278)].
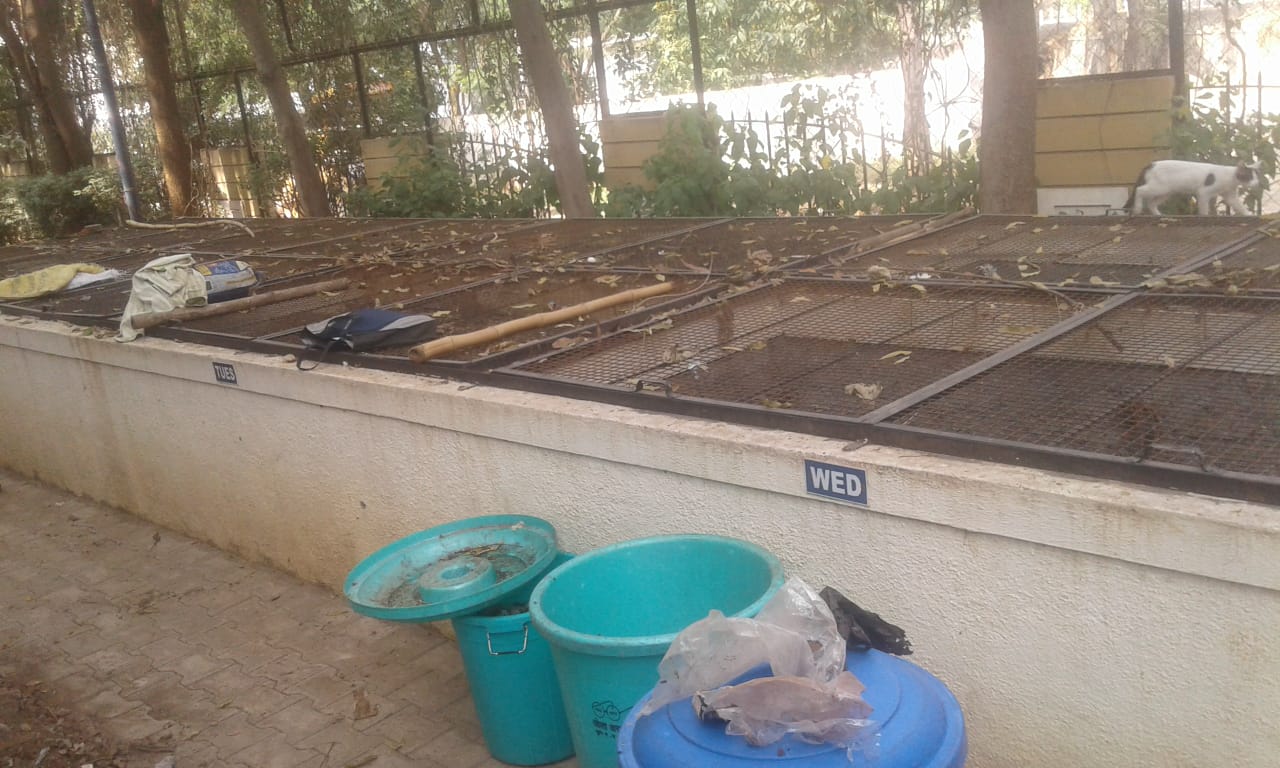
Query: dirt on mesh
[(35, 731)]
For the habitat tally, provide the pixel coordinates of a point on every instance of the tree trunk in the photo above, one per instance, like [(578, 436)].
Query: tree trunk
[(24, 73), (42, 25), (916, 145), (1006, 149), (293, 132), (1107, 49), (542, 66), (175, 153)]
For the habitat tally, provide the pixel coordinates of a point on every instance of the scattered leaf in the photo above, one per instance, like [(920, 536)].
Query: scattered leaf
[(767, 403), (609, 280), (565, 343), (733, 349), (1169, 361), (877, 272), (543, 280), (402, 289), (1115, 227), (660, 278), (1233, 289), (441, 313), (901, 354), (1037, 230), (1116, 239), (875, 288), (864, 391), (364, 709), (1040, 250), (1015, 224), (1095, 280), (524, 306), (918, 252), (798, 299), (920, 288), (756, 346)]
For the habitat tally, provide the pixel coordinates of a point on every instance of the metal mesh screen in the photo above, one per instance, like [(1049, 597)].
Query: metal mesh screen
[(372, 285), (1175, 379), (554, 243), (1064, 250), (804, 344), (380, 240), (745, 244)]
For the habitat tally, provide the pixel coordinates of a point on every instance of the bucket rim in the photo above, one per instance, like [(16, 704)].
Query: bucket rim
[(639, 645)]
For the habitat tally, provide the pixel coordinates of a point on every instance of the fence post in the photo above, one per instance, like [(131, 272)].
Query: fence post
[(424, 94), (244, 121), (358, 66), (695, 48)]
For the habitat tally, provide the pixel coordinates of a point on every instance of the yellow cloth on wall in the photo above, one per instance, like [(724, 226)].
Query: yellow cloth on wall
[(42, 282)]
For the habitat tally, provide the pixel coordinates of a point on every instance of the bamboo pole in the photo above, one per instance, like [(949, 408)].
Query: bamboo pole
[(438, 347), (152, 319)]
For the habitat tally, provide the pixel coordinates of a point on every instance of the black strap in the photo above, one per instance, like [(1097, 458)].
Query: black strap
[(323, 354)]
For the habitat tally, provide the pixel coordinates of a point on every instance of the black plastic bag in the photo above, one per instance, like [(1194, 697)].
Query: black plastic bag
[(863, 629)]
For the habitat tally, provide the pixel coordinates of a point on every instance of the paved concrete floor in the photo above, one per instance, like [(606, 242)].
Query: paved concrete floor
[(167, 641)]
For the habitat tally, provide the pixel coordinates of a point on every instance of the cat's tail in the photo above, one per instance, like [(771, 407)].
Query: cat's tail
[(1133, 193)]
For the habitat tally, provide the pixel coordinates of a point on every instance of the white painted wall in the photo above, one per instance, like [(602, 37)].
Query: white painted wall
[(1078, 622)]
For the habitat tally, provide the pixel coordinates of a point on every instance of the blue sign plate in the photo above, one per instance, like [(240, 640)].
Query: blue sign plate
[(836, 483)]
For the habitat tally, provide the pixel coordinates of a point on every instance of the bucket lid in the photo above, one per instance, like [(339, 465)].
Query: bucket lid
[(451, 570), (919, 726)]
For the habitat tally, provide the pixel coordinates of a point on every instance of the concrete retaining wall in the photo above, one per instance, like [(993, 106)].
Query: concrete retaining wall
[(1078, 622)]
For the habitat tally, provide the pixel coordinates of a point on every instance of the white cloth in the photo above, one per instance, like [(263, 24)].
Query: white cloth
[(88, 278), (163, 284)]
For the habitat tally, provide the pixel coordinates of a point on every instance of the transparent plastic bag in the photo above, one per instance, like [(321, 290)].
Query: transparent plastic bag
[(795, 634), (767, 708), (809, 693)]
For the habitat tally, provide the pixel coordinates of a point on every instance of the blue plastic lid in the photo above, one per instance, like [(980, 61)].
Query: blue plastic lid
[(920, 726), (451, 570)]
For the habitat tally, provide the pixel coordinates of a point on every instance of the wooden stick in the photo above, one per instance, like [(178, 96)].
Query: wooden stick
[(432, 349), (151, 319), (188, 225)]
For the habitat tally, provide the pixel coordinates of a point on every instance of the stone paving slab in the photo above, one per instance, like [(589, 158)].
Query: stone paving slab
[(165, 641)]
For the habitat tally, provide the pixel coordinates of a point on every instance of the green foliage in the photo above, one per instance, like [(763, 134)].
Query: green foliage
[(504, 183), (706, 166), (1208, 130), (54, 205), (428, 187)]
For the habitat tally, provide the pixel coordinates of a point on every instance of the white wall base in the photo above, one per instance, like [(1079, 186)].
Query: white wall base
[(1079, 622)]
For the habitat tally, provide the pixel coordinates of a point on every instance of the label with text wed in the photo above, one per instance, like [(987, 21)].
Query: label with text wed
[(837, 483)]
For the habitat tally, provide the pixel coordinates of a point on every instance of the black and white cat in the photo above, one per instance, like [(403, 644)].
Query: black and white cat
[(1203, 181)]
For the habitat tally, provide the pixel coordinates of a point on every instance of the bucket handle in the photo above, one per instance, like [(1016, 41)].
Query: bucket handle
[(488, 637)]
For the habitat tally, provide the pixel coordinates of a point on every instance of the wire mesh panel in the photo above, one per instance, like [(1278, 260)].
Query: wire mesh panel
[(1184, 380), (479, 306), (387, 239), (284, 234), (745, 245), (109, 298), (1251, 268), (1065, 250), (19, 259), (816, 346), (389, 286), (557, 242)]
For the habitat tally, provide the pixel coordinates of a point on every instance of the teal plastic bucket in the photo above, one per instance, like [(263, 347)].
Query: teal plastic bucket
[(611, 614), (513, 682)]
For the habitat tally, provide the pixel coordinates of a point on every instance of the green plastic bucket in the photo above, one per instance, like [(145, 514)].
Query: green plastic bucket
[(610, 615), (513, 682)]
